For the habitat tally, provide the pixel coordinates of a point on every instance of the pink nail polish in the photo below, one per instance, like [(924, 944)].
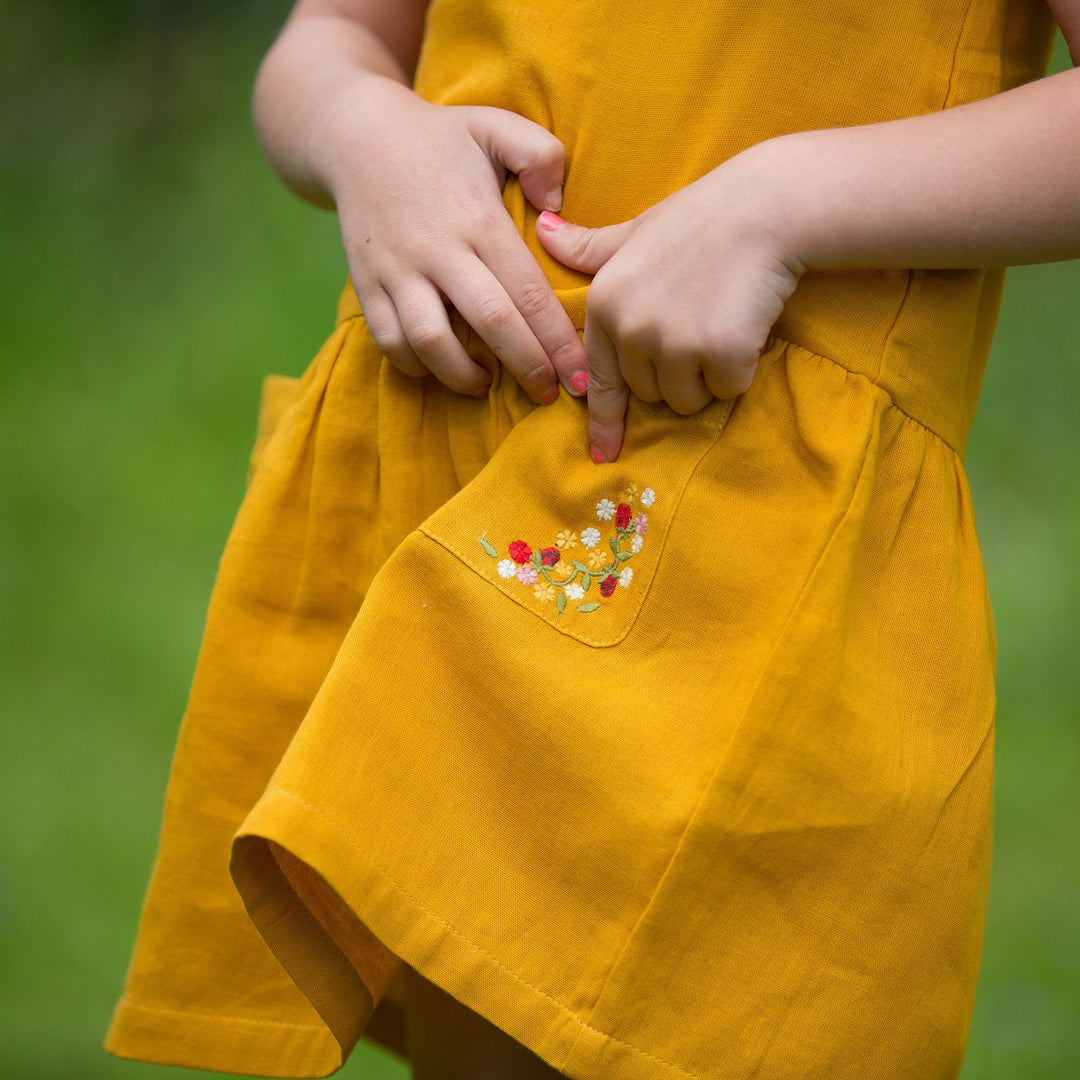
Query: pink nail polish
[(551, 395), (482, 393), (597, 456), (580, 382), (550, 221)]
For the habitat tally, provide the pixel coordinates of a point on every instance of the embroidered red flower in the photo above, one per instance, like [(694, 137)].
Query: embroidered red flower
[(520, 552), (607, 586), (623, 515), (550, 556)]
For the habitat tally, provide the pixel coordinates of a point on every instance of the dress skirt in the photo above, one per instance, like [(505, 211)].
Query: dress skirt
[(678, 767)]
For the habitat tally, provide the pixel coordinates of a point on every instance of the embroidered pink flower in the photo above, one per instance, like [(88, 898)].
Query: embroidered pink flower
[(520, 552), (527, 575), (640, 523), (623, 515), (550, 556), (607, 586)]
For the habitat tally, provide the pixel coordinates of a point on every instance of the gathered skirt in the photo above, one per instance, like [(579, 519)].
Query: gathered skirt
[(678, 767)]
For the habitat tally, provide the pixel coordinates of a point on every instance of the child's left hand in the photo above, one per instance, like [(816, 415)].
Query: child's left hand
[(683, 300)]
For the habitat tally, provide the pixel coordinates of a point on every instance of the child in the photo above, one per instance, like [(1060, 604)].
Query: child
[(671, 763)]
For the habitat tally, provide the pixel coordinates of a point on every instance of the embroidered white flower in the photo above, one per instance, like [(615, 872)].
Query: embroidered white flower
[(648, 497), (605, 509), (591, 537), (575, 592), (626, 577), (507, 568), (636, 544)]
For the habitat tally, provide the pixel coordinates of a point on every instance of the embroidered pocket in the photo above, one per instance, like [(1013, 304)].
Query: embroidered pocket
[(573, 542)]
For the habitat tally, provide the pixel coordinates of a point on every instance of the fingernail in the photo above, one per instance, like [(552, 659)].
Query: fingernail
[(597, 455), (550, 221), (554, 199), (482, 393), (580, 382), (551, 395)]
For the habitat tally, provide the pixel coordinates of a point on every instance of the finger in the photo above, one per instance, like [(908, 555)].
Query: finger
[(516, 269), (428, 335), (733, 377), (580, 248), (524, 148), (639, 372), (608, 395), (486, 306), (385, 327), (683, 386)]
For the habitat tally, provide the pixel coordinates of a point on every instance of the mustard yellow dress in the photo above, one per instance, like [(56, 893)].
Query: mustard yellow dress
[(674, 768)]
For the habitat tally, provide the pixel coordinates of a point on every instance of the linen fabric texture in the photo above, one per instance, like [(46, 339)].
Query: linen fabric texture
[(677, 767)]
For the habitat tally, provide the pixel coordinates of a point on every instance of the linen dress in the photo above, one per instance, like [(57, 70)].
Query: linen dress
[(674, 768)]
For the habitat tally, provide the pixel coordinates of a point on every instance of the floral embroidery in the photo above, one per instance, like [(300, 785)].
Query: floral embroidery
[(520, 552), (555, 576)]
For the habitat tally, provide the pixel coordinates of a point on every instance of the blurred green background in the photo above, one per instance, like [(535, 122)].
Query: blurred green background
[(151, 271)]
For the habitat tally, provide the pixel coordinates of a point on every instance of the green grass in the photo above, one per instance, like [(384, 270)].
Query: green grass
[(153, 270)]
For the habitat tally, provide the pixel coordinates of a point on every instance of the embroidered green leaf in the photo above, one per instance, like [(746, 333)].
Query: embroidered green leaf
[(560, 602), (488, 548), (585, 608), (577, 565), (622, 556), (586, 580), (614, 542)]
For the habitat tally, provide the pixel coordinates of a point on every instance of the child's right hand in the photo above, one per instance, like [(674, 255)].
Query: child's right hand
[(418, 188)]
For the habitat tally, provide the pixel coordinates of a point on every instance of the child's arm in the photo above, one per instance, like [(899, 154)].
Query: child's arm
[(992, 183), (418, 190)]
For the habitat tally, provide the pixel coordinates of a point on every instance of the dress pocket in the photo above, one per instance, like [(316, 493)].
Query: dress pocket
[(575, 543)]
